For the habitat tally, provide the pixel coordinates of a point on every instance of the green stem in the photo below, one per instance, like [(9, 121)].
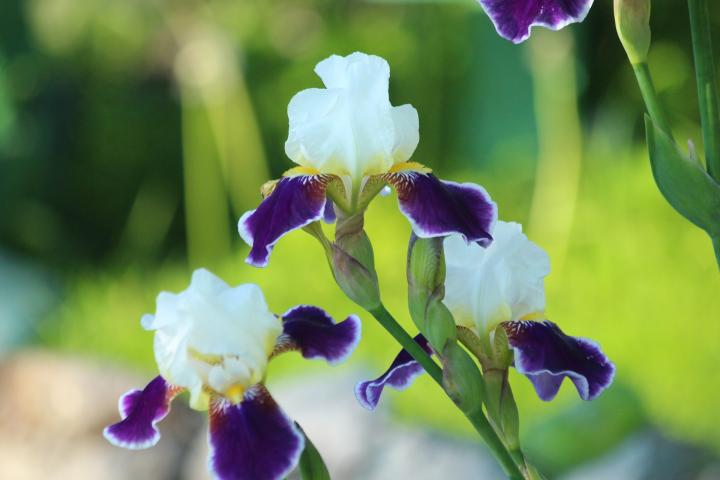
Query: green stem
[(477, 418), (486, 431), (706, 78), (406, 341), (652, 103)]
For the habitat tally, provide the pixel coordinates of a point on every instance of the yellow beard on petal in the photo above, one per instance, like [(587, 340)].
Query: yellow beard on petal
[(405, 166), (533, 317), (235, 393), (295, 171)]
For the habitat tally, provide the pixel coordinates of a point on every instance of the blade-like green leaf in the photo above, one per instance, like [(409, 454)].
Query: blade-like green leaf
[(683, 182), (312, 466)]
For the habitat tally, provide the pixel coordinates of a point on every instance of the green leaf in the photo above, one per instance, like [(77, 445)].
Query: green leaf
[(312, 466), (683, 181)]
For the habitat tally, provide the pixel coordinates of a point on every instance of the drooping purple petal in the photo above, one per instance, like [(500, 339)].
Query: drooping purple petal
[(141, 410), (252, 440), (312, 331), (546, 356), (293, 203), (399, 376), (437, 208), (514, 18)]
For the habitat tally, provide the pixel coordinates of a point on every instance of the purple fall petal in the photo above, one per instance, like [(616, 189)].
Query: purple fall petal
[(294, 202), (312, 331), (514, 18), (141, 410), (329, 212), (437, 208), (546, 356), (252, 440), (399, 376)]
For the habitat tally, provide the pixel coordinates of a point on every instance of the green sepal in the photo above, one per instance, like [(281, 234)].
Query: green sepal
[(352, 261), (683, 181), (501, 407), (462, 379), (312, 466), (335, 189)]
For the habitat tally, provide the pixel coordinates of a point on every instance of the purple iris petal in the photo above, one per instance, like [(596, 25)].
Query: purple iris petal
[(514, 18), (546, 356), (438, 208), (141, 410), (252, 440), (312, 331), (400, 375), (294, 202), (329, 212)]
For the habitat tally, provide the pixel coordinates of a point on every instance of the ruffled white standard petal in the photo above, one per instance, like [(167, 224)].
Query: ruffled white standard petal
[(503, 282), (350, 128), (213, 334)]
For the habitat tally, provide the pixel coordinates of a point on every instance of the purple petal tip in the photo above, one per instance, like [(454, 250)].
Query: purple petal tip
[(312, 331), (546, 356), (141, 410), (403, 370), (513, 19), (294, 203), (438, 208)]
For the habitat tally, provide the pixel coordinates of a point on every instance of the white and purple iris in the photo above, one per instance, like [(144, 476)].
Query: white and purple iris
[(502, 285), (513, 19), (215, 341), (349, 143)]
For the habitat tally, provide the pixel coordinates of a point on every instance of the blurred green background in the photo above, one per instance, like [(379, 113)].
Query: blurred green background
[(133, 134)]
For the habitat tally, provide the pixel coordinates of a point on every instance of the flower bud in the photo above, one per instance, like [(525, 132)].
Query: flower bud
[(462, 379), (632, 21), (352, 260), (426, 290)]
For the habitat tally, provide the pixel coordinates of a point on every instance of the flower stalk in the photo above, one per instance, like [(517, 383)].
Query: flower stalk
[(476, 417), (650, 97)]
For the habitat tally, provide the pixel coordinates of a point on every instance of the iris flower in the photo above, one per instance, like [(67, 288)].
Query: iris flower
[(349, 142), (215, 341), (513, 19), (502, 286)]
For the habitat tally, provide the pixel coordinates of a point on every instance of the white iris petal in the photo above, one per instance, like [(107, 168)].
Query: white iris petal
[(212, 335), (350, 128), (486, 286)]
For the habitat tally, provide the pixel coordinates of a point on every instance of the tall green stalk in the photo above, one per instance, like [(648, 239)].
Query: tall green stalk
[(650, 97)]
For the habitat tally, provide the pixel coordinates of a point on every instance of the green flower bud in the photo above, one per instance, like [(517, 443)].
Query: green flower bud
[(462, 379), (632, 22), (352, 261), (426, 289)]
